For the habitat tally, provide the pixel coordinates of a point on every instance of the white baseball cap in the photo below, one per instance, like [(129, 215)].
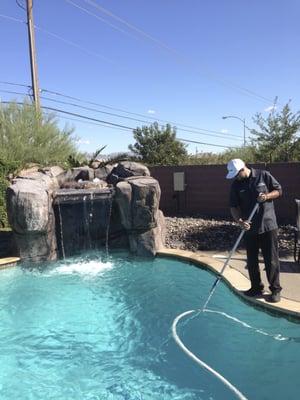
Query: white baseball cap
[(234, 166)]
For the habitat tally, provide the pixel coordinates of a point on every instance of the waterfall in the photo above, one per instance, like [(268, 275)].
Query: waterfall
[(108, 224), (61, 232), (86, 221), (91, 219)]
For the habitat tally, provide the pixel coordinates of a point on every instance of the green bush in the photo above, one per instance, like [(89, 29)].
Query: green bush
[(27, 136), (5, 170)]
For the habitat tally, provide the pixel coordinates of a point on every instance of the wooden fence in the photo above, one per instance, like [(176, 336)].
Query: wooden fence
[(207, 191)]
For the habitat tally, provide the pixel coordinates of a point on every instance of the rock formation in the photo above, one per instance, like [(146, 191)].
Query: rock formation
[(50, 209)]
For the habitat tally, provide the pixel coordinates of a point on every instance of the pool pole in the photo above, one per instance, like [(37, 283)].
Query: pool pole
[(215, 284)]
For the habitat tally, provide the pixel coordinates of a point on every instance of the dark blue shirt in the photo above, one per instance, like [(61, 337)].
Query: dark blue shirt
[(244, 193)]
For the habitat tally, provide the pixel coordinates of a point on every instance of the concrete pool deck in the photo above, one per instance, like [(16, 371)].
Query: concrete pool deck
[(236, 275)]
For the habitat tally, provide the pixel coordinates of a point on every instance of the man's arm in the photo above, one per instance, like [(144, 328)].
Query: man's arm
[(236, 215), (269, 196), (273, 186)]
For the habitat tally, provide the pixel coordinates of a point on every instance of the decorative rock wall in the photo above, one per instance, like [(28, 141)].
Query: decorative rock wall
[(32, 194)]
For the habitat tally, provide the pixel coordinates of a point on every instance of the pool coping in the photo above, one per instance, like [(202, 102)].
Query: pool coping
[(235, 280), (8, 262)]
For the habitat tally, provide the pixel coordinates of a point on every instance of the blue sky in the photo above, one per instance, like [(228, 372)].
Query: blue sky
[(188, 62)]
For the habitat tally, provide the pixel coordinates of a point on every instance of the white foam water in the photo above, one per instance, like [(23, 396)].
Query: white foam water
[(89, 268)]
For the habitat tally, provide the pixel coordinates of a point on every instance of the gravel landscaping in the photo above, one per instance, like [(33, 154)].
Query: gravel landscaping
[(217, 235)]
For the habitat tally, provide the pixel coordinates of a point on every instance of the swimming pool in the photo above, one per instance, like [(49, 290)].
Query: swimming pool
[(86, 329)]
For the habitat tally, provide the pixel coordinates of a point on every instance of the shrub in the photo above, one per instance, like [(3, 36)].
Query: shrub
[(27, 136)]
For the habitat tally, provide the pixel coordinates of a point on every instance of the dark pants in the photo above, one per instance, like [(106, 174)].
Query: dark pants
[(268, 243)]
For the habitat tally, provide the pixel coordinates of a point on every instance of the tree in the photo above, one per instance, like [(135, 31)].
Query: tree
[(28, 136), (276, 138), (157, 145)]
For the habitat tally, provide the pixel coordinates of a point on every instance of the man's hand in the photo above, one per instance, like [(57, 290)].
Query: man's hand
[(262, 197), (244, 224)]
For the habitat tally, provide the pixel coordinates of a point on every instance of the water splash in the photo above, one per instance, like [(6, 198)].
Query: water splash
[(90, 268)]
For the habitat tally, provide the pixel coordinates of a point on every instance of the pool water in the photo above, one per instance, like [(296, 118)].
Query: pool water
[(83, 328)]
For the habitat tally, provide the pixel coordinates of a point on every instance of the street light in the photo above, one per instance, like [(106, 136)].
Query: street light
[(243, 121)]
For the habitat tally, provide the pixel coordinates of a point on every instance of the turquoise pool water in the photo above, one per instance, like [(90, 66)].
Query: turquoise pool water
[(86, 329)]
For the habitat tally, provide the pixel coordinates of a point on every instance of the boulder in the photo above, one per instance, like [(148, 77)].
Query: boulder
[(29, 170), (146, 244), (74, 174), (103, 172), (145, 198), (34, 247), (28, 205), (31, 217), (136, 168), (126, 169), (53, 172), (138, 201), (123, 198), (51, 183)]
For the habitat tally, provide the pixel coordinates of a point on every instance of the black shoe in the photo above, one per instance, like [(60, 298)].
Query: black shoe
[(274, 297), (253, 292)]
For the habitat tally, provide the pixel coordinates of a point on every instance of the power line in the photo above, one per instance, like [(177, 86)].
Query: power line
[(130, 118), (87, 122), (210, 144), (125, 127), (171, 50), (14, 84), (20, 5), (134, 28), (183, 59), (119, 116), (69, 42), (13, 92), (177, 124), (12, 18), (99, 18), (136, 114), (78, 115), (113, 124)]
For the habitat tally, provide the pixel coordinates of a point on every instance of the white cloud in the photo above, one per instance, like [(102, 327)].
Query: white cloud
[(151, 111), (82, 141), (224, 130), (270, 108)]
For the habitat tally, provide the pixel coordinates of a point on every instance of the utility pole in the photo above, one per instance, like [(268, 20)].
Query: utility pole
[(32, 53), (244, 124)]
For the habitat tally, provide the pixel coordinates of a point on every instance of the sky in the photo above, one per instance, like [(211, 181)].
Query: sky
[(131, 62)]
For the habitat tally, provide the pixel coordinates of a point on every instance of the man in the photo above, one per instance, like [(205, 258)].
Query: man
[(249, 187)]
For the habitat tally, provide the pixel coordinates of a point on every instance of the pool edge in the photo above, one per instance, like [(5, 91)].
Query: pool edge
[(8, 262), (235, 279)]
